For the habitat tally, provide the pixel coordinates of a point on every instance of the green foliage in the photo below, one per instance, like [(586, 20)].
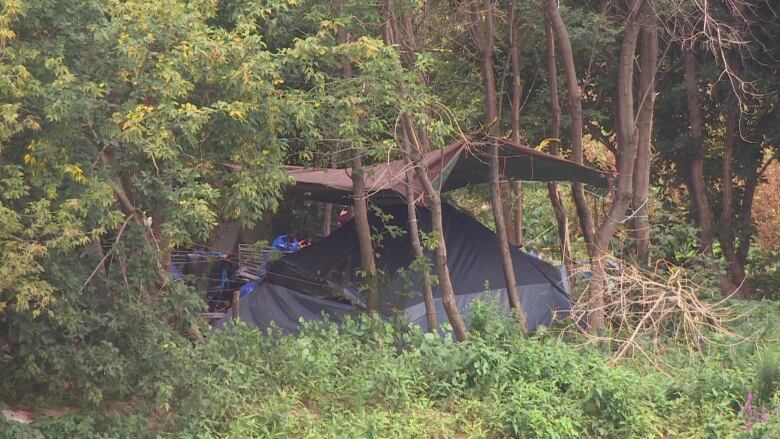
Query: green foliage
[(95, 425), (674, 240), (377, 379), (768, 377), (100, 342), (764, 269)]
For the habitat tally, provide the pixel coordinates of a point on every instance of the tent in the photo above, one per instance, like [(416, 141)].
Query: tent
[(309, 283), (319, 280)]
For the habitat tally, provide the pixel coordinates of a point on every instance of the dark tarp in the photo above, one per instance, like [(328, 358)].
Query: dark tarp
[(311, 281), (461, 163), (285, 307)]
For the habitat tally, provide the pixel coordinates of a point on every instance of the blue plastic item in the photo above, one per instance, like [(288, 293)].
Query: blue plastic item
[(285, 243), (247, 288)]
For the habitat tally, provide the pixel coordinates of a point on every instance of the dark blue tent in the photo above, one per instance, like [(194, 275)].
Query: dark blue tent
[(319, 280)]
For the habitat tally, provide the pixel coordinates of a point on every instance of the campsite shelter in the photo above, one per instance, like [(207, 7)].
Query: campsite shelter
[(460, 164), (318, 280)]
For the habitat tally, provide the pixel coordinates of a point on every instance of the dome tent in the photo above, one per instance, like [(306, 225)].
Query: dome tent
[(310, 283)]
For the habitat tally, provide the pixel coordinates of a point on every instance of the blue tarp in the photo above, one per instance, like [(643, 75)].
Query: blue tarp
[(285, 243)]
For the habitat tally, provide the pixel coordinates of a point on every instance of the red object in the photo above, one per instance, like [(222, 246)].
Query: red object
[(343, 217)]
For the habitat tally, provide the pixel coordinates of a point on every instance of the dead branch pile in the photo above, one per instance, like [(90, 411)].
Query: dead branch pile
[(649, 309)]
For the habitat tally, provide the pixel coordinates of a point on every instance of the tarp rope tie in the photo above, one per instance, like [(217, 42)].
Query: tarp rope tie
[(634, 212)]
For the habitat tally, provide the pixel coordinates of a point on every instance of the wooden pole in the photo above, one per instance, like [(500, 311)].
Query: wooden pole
[(235, 304)]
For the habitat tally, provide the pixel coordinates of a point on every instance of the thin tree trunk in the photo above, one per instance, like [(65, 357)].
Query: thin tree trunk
[(327, 208), (517, 194), (446, 290), (696, 119), (587, 224), (482, 22), (506, 207), (414, 235), (727, 235), (360, 211), (514, 43), (627, 135), (445, 284), (737, 265), (736, 256), (410, 34), (696, 184), (516, 186), (627, 132), (727, 191), (360, 204), (555, 133), (417, 138), (648, 53)]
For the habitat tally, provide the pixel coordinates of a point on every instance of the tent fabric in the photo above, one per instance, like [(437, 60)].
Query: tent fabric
[(323, 274), (460, 164), (285, 308)]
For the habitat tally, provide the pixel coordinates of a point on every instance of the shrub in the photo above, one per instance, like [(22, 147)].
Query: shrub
[(370, 378)]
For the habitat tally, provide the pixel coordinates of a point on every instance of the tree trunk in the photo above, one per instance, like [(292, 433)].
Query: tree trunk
[(517, 187), (514, 43), (506, 207), (417, 138), (696, 119), (555, 133), (737, 264), (648, 53), (446, 290), (360, 211), (628, 136), (414, 235), (727, 190), (517, 191), (445, 284), (327, 208), (363, 228), (482, 22), (587, 224), (696, 183)]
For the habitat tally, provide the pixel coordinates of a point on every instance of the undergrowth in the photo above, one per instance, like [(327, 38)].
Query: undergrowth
[(377, 379)]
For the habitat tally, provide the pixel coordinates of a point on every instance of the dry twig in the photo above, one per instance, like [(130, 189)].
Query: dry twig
[(646, 309)]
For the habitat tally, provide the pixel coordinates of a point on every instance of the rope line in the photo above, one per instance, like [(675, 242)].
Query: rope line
[(634, 212)]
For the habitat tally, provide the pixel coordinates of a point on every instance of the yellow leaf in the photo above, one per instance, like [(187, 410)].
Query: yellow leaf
[(7, 34), (188, 107), (76, 173), (30, 159), (546, 142)]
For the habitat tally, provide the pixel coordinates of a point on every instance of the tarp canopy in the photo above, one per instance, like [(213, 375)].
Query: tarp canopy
[(460, 164)]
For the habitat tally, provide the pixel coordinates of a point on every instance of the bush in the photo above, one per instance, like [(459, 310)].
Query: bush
[(370, 378)]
